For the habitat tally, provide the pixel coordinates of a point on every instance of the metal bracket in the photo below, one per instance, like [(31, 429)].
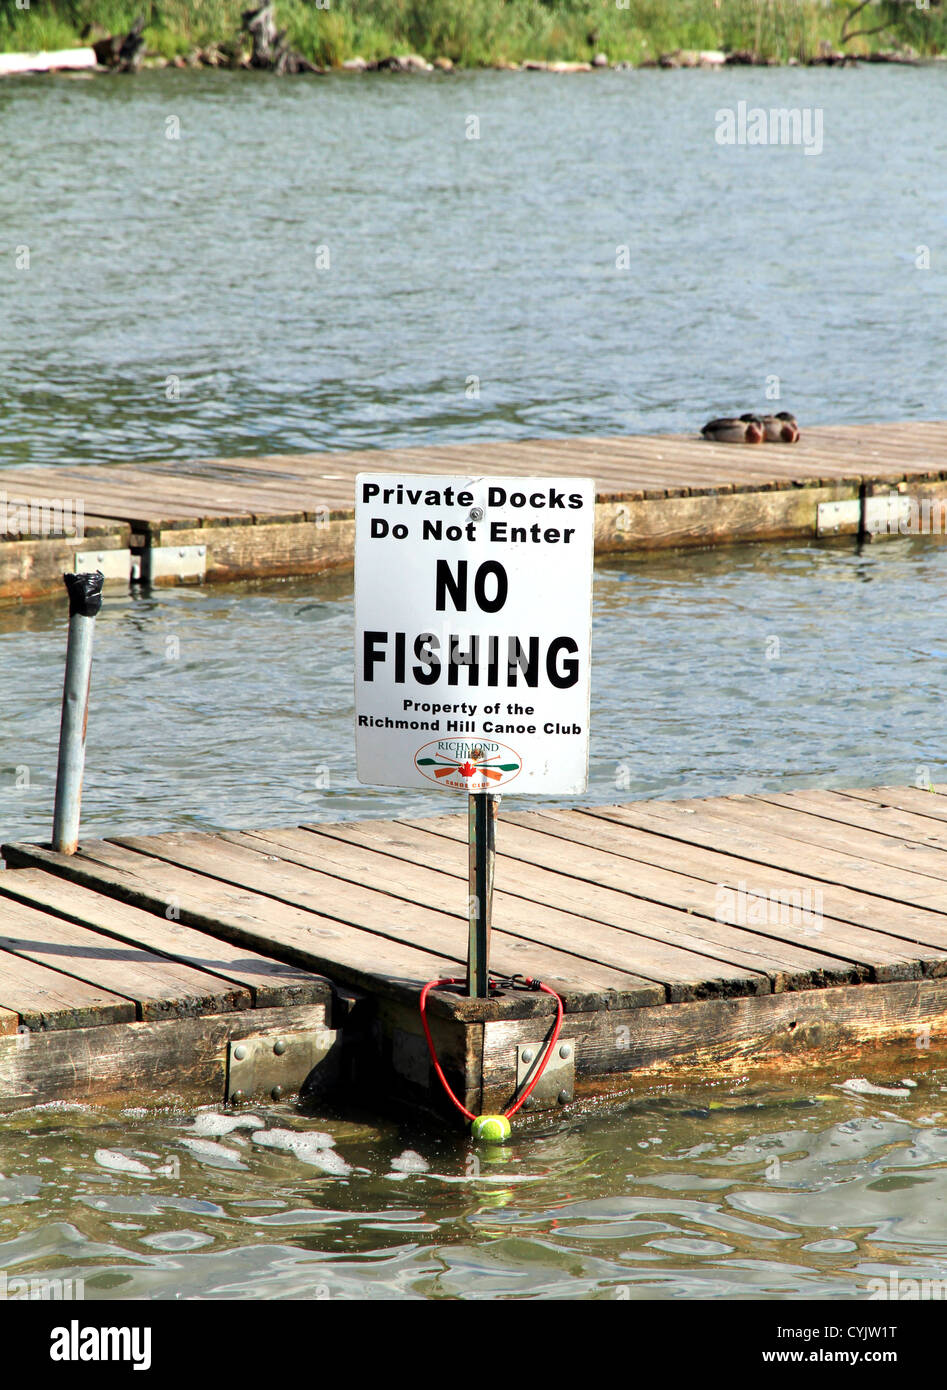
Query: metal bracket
[(556, 1086), (164, 562), (273, 1065), (833, 518), (116, 565)]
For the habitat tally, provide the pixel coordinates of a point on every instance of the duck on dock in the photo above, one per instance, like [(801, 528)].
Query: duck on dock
[(781, 429), (748, 429)]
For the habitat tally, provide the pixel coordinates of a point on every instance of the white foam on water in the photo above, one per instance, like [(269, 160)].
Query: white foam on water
[(217, 1154), (117, 1162), (309, 1146), (211, 1122), (861, 1086), (410, 1162)]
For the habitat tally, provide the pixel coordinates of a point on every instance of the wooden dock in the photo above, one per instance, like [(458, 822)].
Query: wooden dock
[(681, 935), (222, 519)]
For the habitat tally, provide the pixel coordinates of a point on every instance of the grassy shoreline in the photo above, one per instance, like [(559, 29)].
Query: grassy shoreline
[(495, 33)]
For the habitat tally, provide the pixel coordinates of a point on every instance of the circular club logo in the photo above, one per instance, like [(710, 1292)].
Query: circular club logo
[(468, 765)]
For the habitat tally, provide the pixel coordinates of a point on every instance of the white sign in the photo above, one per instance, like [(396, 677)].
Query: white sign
[(473, 605)]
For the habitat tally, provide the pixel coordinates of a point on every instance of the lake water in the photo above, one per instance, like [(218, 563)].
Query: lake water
[(452, 258), (733, 670), (806, 1187), (737, 669)]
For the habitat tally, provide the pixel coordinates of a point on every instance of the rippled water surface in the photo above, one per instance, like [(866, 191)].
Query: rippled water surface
[(452, 258), (731, 670), (809, 1187)]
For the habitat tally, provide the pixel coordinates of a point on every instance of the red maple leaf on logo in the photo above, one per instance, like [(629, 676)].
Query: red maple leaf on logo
[(467, 770)]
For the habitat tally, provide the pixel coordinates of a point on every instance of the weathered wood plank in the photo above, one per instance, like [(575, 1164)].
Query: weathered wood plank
[(380, 963), (788, 963), (271, 983), (43, 998), (33, 568), (706, 1033), (885, 820), (161, 988), (922, 803), (816, 829), (526, 946), (653, 846), (172, 1062), (684, 974), (256, 516), (277, 550), (289, 933), (841, 946), (780, 851)]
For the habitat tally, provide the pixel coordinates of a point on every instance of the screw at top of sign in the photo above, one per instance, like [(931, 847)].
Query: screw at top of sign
[(476, 514)]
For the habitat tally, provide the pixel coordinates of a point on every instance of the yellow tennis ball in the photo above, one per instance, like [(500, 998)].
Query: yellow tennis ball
[(491, 1129)]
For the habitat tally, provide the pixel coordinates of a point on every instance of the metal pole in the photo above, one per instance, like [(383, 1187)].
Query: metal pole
[(85, 600), (481, 836)]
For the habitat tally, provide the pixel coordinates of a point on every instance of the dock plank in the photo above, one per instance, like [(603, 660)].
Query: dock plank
[(683, 973), (161, 988), (42, 998), (654, 846), (885, 820), (931, 804), (621, 909), (422, 868), (675, 490), (814, 827), (780, 851), (788, 964), (372, 959), (881, 956), (270, 982)]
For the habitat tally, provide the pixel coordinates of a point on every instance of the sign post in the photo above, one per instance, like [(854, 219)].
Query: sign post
[(472, 663), (481, 833)]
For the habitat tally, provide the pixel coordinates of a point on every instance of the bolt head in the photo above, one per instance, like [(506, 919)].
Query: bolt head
[(565, 1051), (476, 514), (237, 1097), (527, 1054), (276, 1092), (563, 1097), (279, 1047), (239, 1053)]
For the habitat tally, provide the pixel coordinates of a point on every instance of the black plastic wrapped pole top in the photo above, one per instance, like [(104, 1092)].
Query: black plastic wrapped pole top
[(85, 593)]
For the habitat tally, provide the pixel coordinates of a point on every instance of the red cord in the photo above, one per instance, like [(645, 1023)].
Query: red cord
[(436, 984), (454, 980)]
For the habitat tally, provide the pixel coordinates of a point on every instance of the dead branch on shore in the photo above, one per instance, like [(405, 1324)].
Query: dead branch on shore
[(270, 49)]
